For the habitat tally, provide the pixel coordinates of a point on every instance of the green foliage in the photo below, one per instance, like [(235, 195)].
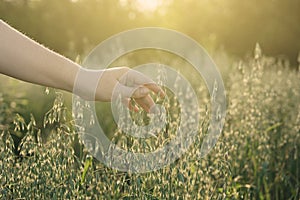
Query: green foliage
[(257, 156)]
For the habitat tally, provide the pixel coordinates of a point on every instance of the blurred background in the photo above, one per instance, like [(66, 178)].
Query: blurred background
[(255, 44), (228, 30), (74, 27)]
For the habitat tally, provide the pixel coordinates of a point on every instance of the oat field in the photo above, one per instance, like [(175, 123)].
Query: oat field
[(256, 157)]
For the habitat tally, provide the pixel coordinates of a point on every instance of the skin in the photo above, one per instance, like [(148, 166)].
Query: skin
[(24, 59)]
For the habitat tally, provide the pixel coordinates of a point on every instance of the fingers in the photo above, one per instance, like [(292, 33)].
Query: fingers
[(145, 102), (128, 92), (156, 89), (140, 95), (140, 92), (135, 78), (133, 84), (129, 105)]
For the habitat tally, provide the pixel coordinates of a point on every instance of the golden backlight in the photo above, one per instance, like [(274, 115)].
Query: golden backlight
[(148, 5)]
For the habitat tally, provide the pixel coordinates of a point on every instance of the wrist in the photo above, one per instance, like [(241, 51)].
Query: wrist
[(86, 83)]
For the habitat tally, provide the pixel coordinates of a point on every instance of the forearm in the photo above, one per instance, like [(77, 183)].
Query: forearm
[(25, 59)]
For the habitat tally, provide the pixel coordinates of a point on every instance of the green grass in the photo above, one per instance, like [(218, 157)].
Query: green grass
[(256, 157)]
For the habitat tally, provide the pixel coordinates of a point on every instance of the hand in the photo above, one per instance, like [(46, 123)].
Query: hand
[(42, 66), (130, 84)]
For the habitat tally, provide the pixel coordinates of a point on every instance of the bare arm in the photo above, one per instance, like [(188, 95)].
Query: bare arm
[(25, 59)]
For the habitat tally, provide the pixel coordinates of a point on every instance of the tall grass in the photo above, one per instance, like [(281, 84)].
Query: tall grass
[(256, 157)]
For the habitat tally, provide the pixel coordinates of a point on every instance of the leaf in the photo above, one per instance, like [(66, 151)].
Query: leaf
[(87, 165), (180, 177)]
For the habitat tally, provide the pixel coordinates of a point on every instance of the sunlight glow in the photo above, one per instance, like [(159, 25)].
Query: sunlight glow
[(148, 5)]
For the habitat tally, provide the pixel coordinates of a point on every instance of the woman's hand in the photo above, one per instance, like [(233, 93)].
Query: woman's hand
[(39, 65), (129, 84)]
